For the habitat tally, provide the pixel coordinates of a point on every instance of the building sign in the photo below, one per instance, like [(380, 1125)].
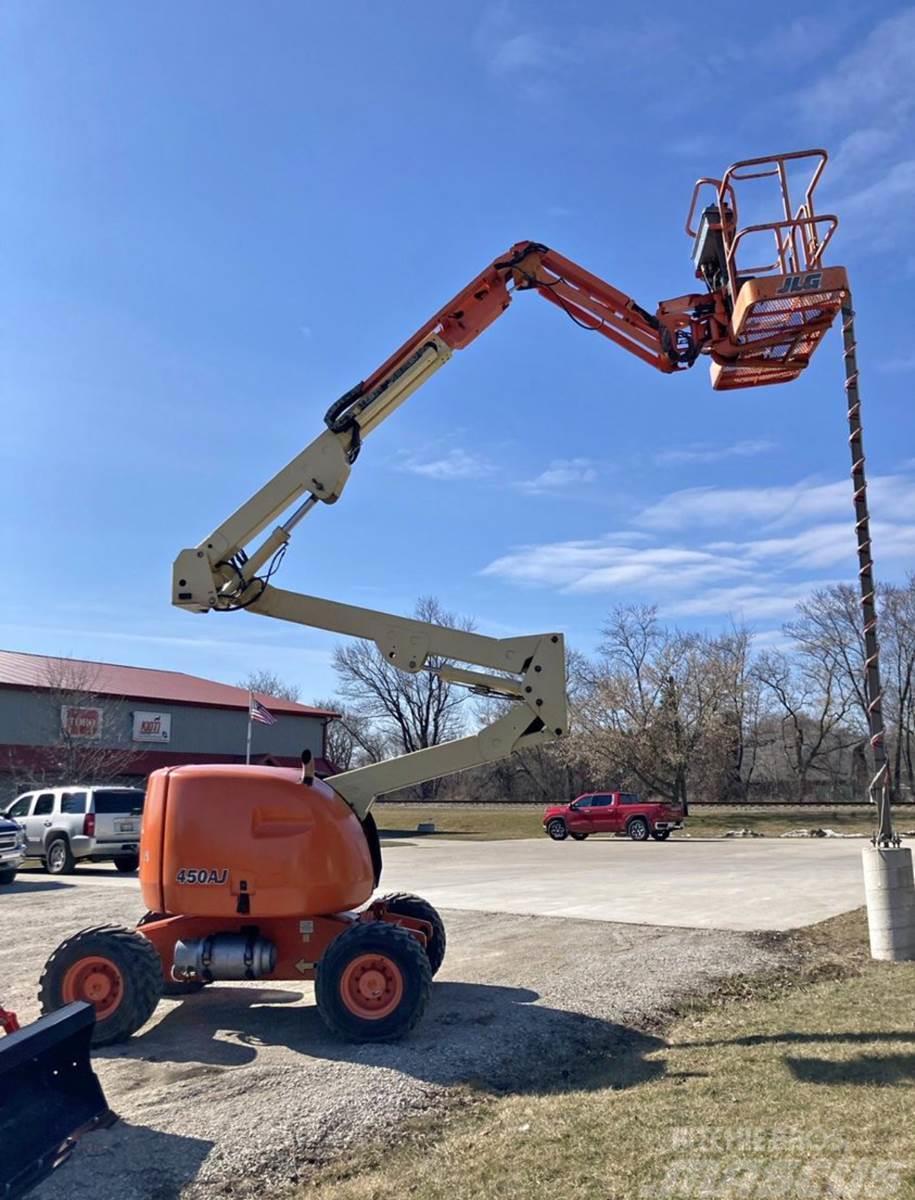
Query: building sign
[(152, 727), (81, 722)]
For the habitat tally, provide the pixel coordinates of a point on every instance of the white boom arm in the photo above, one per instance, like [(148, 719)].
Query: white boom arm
[(218, 574)]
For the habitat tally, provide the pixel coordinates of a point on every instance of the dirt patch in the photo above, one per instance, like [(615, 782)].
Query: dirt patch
[(239, 1089)]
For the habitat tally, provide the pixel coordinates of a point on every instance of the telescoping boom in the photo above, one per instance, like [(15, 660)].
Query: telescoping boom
[(758, 323)]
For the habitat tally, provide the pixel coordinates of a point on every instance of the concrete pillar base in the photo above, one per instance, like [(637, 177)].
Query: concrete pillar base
[(890, 892)]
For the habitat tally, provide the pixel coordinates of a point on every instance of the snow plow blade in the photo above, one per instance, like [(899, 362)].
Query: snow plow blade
[(49, 1095)]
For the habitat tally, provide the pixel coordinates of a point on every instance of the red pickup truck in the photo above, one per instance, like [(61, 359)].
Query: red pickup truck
[(613, 812)]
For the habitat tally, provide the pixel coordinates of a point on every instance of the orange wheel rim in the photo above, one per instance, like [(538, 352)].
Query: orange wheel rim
[(96, 980), (372, 986)]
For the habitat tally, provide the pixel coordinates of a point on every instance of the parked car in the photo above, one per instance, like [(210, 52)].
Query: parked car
[(67, 825), (12, 849), (613, 812)]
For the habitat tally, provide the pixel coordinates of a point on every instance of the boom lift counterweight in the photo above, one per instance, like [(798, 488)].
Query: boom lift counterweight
[(250, 872)]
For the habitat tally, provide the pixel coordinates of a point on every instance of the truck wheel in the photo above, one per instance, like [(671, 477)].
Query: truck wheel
[(660, 835), (59, 858), (114, 969), (557, 830), (578, 837), (7, 875), (405, 904), (126, 862), (638, 829), (373, 982)]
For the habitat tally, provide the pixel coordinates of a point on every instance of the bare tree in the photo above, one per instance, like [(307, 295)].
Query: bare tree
[(655, 709), (350, 738), (897, 626), (407, 712), (269, 684), (80, 730), (812, 705), (829, 630)]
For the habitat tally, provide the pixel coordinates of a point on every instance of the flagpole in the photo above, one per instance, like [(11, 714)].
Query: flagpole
[(248, 743)]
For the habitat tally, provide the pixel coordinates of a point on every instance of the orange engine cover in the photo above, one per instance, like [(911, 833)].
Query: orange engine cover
[(214, 834)]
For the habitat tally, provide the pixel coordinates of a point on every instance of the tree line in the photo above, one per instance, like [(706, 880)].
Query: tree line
[(723, 717)]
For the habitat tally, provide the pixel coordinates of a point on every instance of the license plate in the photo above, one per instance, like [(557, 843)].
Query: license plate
[(126, 826)]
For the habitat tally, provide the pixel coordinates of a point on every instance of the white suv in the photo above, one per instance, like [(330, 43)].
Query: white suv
[(67, 825)]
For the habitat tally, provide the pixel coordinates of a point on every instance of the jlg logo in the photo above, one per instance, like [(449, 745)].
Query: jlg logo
[(800, 283), (202, 875)]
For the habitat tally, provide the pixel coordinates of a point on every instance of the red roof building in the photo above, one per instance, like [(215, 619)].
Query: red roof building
[(59, 715)]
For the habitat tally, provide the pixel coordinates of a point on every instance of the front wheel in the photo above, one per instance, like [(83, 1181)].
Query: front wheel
[(404, 904), (557, 830), (638, 829), (578, 837), (59, 858), (661, 835), (126, 863), (115, 970), (7, 875), (373, 983)]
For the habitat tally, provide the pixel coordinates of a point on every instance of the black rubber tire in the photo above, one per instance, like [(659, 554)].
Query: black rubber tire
[(7, 875), (660, 835), (126, 863), (140, 969), (578, 837), (57, 861), (405, 904), (373, 937), (638, 829), (557, 830)]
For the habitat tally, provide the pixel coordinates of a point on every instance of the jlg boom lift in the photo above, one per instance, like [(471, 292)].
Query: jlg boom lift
[(260, 873)]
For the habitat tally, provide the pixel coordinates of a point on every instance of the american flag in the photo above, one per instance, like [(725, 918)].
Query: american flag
[(257, 712)]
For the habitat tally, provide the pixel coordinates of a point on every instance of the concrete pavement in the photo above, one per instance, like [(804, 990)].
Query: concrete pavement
[(688, 882), (693, 883)]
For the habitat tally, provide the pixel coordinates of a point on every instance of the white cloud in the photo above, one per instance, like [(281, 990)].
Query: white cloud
[(519, 52), (456, 464), (750, 602), (561, 474), (875, 78), (786, 535), (870, 92), (610, 563), (703, 452), (826, 545), (770, 506), (857, 150)]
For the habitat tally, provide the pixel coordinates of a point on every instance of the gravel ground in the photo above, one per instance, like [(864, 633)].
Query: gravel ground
[(240, 1089)]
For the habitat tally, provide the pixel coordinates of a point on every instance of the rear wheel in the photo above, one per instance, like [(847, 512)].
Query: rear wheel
[(579, 837), (115, 970), (59, 858), (638, 829), (661, 835), (373, 983), (557, 830), (405, 904), (126, 862)]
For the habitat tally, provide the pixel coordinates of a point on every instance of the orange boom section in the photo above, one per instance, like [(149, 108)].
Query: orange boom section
[(237, 841)]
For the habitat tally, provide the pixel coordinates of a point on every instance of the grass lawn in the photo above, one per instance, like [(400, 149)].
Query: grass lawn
[(521, 821), (795, 1086)]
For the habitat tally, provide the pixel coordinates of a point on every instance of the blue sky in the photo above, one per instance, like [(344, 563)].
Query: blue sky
[(218, 217)]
